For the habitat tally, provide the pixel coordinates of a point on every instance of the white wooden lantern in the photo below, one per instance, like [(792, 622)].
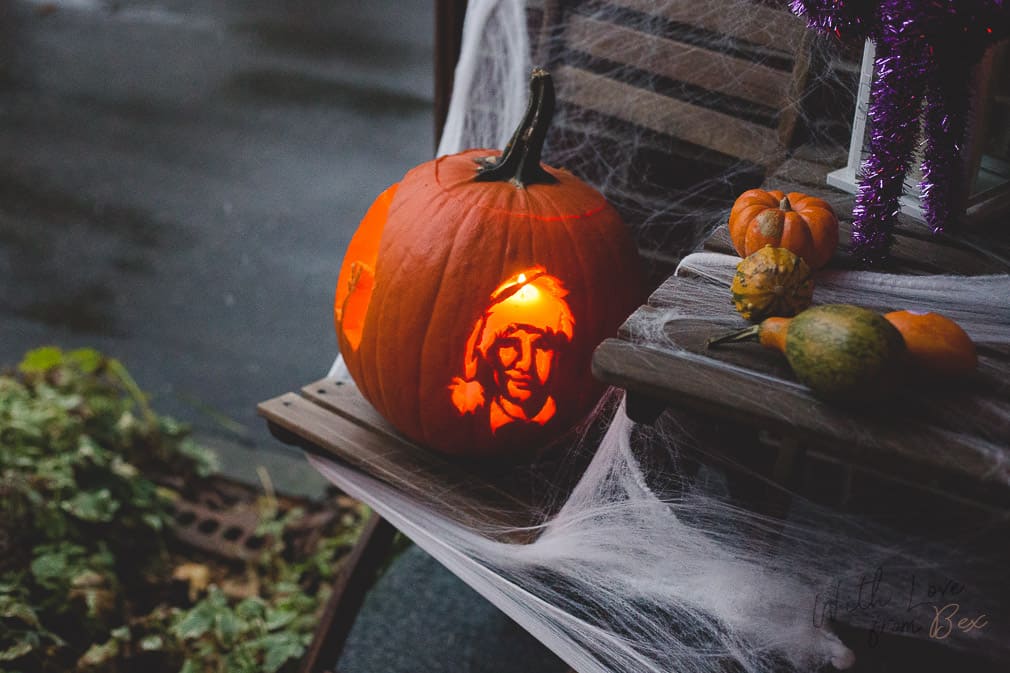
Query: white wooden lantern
[(988, 143)]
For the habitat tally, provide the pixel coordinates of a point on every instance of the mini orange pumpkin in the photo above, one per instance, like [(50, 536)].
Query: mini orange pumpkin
[(935, 343), (805, 225), (475, 290)]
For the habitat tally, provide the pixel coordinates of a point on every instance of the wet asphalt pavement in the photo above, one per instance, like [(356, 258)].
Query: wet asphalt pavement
[(179, 180)]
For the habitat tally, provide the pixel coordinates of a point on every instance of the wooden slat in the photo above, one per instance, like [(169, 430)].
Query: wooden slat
[(449, 15), (789, 114), (804, 172), (700, 126), (742, 20), (344, 398), (681, 62), (357, 574), (458, 493), (736, 394)]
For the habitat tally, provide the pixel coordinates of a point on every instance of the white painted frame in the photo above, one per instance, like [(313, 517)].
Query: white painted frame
[(980, 205)]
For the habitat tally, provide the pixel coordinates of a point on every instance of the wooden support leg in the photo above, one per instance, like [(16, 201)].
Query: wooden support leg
[(355, 579), (642, 408), (781, 459)]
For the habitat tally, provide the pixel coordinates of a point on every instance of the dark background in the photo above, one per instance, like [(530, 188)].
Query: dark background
[(179, 180)]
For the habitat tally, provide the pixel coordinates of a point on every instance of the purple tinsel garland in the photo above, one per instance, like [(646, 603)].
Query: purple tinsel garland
[(925, 51)]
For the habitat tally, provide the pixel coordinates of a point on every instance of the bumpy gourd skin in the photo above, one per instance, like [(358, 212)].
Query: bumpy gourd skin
[(844, 352), (771, 282)]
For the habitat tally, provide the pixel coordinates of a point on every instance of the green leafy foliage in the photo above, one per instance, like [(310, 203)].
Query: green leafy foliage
[(86, 558)]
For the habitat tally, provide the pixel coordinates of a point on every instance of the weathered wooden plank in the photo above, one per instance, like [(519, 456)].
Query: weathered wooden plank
[(345, 399), (681, 62), (700, 126), (674, 290), (804, 172), (790, 108), (642, 324), (737, 394), (832, 156), (742, 20), (979, 406), (458, 493), (840, 201)]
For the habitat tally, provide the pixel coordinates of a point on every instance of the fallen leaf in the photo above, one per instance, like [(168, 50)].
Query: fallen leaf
[(197, 575)]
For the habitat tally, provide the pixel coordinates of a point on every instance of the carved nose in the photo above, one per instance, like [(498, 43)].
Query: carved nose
[(525, 359)]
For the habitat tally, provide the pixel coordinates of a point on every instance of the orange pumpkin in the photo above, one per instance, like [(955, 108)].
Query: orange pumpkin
[(475, 290), (802, 224), (935, 343)]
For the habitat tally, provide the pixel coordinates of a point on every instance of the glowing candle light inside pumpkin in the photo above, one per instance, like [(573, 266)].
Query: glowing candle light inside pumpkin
[(512, 350), (527, 293)]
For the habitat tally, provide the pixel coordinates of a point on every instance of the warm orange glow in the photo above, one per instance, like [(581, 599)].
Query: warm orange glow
[(356, 304), (356, 279), (512, 349)]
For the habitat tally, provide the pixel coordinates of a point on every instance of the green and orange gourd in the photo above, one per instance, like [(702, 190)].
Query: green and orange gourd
[(841, 352), (849, 353)]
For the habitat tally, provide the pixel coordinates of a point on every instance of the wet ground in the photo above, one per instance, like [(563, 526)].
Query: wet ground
[(179, 179)]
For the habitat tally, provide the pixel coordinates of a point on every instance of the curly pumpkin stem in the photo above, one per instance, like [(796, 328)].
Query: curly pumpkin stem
[(519, 162)]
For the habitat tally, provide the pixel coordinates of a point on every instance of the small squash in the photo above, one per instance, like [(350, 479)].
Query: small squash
[(771, 282), (803, 224), (935, 343), (841, 352)]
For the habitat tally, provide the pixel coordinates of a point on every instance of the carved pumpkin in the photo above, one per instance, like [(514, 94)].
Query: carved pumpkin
[(803, 224), (771, 282), (475, 290)]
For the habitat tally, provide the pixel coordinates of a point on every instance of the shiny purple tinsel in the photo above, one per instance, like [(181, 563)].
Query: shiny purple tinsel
[(925, 52), (895, 103), (847, 19)]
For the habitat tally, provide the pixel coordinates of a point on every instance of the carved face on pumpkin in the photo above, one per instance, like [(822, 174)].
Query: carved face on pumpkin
[(451, 364), (512, 350)]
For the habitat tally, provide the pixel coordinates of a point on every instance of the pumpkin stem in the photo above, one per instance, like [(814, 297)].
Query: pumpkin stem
[(785, 205), (519, 162), (746, 334)]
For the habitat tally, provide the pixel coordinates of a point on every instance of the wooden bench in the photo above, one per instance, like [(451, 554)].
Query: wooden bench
[(916, 449)]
